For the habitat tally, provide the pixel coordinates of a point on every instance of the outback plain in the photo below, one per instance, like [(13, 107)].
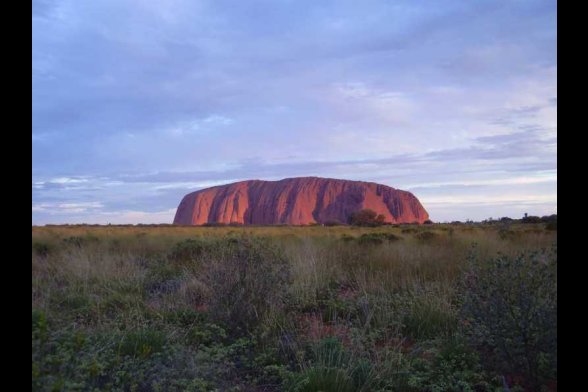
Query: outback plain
[(431, 307)]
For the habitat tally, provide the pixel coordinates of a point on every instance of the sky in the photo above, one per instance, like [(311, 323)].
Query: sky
[(137, 103)]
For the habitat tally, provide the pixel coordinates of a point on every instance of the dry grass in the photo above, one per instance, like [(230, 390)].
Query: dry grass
[(380, 299)]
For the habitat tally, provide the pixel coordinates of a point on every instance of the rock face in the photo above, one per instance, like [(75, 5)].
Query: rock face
[(296, 201)]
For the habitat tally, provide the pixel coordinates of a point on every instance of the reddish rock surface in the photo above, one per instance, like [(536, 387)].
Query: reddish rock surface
[(296, 201)]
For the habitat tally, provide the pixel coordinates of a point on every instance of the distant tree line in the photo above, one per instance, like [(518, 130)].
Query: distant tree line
[(363, 218), (524, 219)]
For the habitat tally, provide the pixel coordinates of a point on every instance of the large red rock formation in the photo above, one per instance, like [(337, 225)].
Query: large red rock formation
[(296, 201)]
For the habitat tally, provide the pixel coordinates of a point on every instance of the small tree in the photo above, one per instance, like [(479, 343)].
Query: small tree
[(367, 217)]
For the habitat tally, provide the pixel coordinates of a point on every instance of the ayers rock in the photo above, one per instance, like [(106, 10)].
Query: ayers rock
[(296, 201)]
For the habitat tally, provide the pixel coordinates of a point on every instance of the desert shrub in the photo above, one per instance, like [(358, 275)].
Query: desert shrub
[(409, 230), (452, 367), (376, 238), (39, 319), (509, 310), (205, 334), (428, 222), (370, 239), (426, 236), (366, 217), (188, 250), (42, 249), (246, 281), (141, 343)]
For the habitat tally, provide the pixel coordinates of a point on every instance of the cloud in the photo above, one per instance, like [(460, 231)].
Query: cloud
[(66, 208), (485, 200), (199, 126), (119, 217), (136, 103), (130, 216), (549, 177)]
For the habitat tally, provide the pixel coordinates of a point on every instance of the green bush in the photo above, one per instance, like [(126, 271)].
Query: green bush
[(245, 281), (376, 238), (509, 310), (453, 367), (42, 249), (188, 250), (141, 343), (39, 319), (205, 334)]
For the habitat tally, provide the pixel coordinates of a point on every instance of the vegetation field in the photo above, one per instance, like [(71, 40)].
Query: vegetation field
[(438, 307)]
